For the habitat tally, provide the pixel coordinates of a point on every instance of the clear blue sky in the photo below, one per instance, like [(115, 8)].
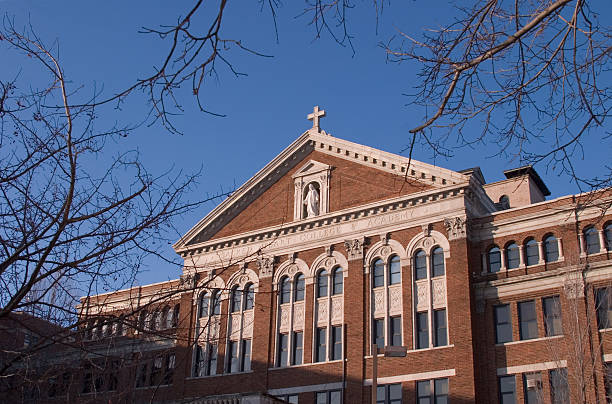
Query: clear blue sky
[(266, 110)]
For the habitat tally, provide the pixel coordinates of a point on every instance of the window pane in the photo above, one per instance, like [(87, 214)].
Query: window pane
[(321, 397), (395, 393), (249, 294), (552, 316), (604, 308), (298, 347), (422, 331), (379, 333), (335, 397), (378, 270), (440, 328), (321, 344), (528, 325), (591, 237), (234, 365), (532, 253), (381, 394), (299, 288), (441, 391), (532, 388), (212, 360), (420, 265), (216, 301), (322, 284), (285, 294), (503, 325), (396, 331), (558, 386), (608, 236), (437, 262), (336, 352), (551, 249), (608, 381), (338, 281), (236, 299), (246, 355), (507, 393), (203, 305), (494, 257), (282, 349), (512, 256), (423, 393), (395, 270)]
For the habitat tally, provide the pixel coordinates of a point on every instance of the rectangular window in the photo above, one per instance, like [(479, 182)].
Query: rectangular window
[(233, 364), (141, 377), (211, 368), (503, 324), (552, 316), (532, 388), (328, 397), (321, 345), (441, 391), (389, 394), (423, 392), (507, 390), (396, 331), (336, 341), (245, 366), (379, 333), (199, 365), (283, 340), (559, 393), (432, 391), (298, 347), (528, 324), (440, 333), (170, 365), (158, 365), (422, 330), (604, 308)]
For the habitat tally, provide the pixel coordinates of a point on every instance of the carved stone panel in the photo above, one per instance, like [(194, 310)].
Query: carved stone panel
[(298, 316), (265, 265), (455, 227), (214, 324), (322, 312), (379, 302), (247, 324), (354, 248), (235, 327), (337, 308), (439, 292), (395, 300), (422, 295), (284, 317)]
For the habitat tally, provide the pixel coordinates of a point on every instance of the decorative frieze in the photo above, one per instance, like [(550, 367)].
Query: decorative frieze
[(285, 310), (455, 227), (354, 248), (235, 327), (265, 266)]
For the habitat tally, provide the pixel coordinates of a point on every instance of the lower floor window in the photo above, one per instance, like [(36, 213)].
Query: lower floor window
[(389, 394), (239, 356), (507, 390), (532, 385), (558, 386), (433, 391), (206, 360), (328, 397), (290, 398)]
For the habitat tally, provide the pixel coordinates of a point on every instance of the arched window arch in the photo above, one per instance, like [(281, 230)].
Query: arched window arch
[(513, 258), (591, 239), (494, 259), (322, 283), (532, 252), (236, 300), (299, 285), (378, 273), (608, 236), (285, 290), (551, 248), (338, 281), (437, 262), (420, 265), (249, 296), (395, 270)]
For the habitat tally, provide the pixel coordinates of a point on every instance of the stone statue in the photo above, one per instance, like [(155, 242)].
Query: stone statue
[(312, 201)]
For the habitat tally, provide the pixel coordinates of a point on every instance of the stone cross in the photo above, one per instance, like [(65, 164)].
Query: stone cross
[(315, 116)]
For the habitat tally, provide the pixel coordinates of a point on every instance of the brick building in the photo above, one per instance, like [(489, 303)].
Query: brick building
[(497, 294)]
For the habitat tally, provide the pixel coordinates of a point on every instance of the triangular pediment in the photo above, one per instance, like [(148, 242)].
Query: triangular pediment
[(266, 200)]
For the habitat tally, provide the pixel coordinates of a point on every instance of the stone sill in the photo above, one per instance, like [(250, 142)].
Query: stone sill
[(305, 365), (530, 340)]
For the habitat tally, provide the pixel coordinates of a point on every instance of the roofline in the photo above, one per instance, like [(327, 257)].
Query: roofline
[(528, 170)]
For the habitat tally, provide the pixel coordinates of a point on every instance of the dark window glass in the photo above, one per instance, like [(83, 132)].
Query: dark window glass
[(551, 249), (285, 294), (503, 324), (233, 364), (423, 392), (212, 359), (175, 315), (396, 331), (395, 270), (494, 259), (559, 393), (199, 365), (203, 305), (282, 349), (532, 388), (321, 397), (441, 391), (299, 288), (328, 397), (338, 281), (321, 344), (528, 324), (298, 348), (437, 262), (591, 238), (216, 299), (378, 273), (552, 316), (335, 397), (322, 283), (604, 308), (608, 236), (440, 328), (336, 335), (292, 399), (512, 256), (608, 381), (379, 333), (249, 297), (507, 390), (236, 299), (422, 330), (420, 265), (389, 394), (532, 253), (246, 355)]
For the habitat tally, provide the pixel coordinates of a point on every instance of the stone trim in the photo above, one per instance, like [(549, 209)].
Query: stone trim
[(436, 374), (306, 389), (534, 367)]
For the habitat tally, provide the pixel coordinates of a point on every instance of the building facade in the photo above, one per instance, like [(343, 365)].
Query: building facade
[(334, 252)]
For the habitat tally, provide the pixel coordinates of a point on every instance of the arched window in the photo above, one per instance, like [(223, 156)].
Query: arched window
[(236, 299), (532, 252), (378, 273), (216, 302), (338, 279), (420, 265), (322, 283), (591, 238), (298, 296), (175, 315), (608, 236), (164, 317), (285, 290), (513, 259), (249, 296), (204, 303), (551, 249), (395, 270), (437, 262), (494, 259)]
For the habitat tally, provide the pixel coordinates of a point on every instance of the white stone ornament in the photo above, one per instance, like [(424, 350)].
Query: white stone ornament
[(315, 117), (455, 227), (312, 201)]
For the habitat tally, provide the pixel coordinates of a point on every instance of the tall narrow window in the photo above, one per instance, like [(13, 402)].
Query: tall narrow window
[(507, 390), (441, 391), (298, 348), (494, 260), (283, 340), (321, 341), (422, 330), (245, 354), (395, 270), (379, 333), (233, 364), (322, 283), (559, 393), (212, 359), (437, 262), (512, 256), (423, 392), (338, 278), (608, 236), (420, 265), (236, 299), (532, 253), (396, 331), (532, 388), (389, 394), (285, 290), (591, 238), (378, 270), (603, 306), (551, 249), (528, 324), (216, 302), (503, 324), (552, 316), (249, 296), (336, 341), (298, 295), (440, 333)]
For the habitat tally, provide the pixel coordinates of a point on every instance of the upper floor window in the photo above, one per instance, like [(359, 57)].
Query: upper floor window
[(420, 265), (503, 323), (290, 319), (389, 394), (552, 316), (494, 259), (285, 290), (603, 306), (432, 391), (378, 273), (528, 324), (532, 252), (512, 256), (395, 270), (322, 283), (608, 236), (236, 299), (507, 389), (298, 294), (338, 278), (551, 249), (328, 336), (437, 262), (591, 239)]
